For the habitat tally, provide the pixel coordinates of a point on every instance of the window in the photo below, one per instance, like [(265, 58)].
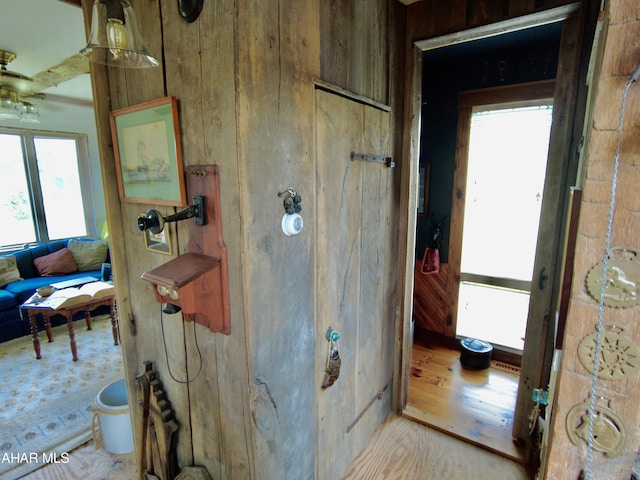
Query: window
[(506, 169), (41, 194)]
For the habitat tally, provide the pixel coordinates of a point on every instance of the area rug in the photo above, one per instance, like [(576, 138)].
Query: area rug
[(45, 405)]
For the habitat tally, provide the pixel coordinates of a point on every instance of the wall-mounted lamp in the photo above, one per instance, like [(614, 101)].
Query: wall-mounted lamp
[(115, 38), (153, 220)]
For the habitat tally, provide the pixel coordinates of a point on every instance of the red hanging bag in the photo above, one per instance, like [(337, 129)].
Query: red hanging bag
[(430, 261)]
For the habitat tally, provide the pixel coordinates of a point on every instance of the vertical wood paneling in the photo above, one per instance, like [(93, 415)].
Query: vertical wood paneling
[(355, 46), (129, 256), (375, 337), (230, 362), (335, 34), (277, 59), (242, 75), (352, 210), (481, 12), (182, 80), (339, 124)]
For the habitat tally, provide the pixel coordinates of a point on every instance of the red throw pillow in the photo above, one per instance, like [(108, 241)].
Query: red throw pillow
[(56, 263)]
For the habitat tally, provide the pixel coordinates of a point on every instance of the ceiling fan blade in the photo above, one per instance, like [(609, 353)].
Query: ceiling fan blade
[(66, 70)]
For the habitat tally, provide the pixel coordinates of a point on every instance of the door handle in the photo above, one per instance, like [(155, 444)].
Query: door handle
[(542, 278)]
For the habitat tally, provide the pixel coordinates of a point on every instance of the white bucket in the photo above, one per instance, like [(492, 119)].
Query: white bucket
[(111, 422)]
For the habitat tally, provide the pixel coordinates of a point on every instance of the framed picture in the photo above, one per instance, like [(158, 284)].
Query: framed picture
[(158, 242), (423, 188), (148, 156)]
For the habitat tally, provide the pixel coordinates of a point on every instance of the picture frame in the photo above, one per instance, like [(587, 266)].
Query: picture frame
[(158, 242), (423, 188), (148, 155)]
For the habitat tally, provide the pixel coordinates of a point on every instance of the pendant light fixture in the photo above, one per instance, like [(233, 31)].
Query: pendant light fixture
[(115, 38), (12, 104)]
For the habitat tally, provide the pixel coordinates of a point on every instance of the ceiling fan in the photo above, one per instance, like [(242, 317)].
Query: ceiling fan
[(17, 90)]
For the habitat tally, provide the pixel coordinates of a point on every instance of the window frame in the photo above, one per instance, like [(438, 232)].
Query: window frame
[(30, 165)]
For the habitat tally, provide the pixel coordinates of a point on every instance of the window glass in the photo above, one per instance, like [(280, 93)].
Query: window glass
[(505, 181), (16, 214), (41, 195), (60, 184)]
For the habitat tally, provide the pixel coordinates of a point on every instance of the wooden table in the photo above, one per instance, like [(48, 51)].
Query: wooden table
[(32, 308)]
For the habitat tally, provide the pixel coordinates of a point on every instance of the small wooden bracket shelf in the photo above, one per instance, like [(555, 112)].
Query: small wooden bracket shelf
[(197, 281)]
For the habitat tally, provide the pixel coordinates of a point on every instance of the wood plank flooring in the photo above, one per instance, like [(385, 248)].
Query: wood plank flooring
[(87, 463), (474, 405), (403, 449)]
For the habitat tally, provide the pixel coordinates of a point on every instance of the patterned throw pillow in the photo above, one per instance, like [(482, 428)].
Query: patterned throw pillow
[(9, 270), (56, 263), (89, 255)]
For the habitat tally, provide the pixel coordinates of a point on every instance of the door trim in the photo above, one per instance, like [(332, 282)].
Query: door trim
[(409, 166), (545, 17)]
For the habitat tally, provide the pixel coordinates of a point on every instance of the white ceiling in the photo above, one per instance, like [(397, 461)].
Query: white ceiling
[(42, 33)]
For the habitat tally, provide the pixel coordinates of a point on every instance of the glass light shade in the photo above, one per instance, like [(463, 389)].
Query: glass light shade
[(9, 105), (115, 38), (30, 113)]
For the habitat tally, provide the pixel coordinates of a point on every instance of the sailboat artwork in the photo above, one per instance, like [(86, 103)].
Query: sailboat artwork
[(149, 163), (146, 140)]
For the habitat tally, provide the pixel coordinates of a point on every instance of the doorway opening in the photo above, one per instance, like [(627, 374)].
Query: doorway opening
[(506, 166), (523, 64), (502, 144)]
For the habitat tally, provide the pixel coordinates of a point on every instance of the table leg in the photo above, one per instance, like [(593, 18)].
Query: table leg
[(47, 327), (72, 337), (114, 322), (34, 333), (87, 318)]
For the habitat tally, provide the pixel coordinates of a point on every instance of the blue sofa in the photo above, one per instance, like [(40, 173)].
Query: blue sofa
[(13, 294)]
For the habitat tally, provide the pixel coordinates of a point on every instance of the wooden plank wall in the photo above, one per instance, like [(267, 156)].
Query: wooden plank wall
[(243, 74), (277, 60)]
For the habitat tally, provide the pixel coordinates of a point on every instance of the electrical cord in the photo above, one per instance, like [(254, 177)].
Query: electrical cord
[(166, 353)]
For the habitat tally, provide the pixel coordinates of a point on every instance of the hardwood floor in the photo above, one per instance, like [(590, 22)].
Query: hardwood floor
[(474, 405), (403, 449), (399, 449), (87, 463)]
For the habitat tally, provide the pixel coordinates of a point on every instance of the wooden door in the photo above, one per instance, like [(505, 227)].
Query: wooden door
[(353, 294)]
